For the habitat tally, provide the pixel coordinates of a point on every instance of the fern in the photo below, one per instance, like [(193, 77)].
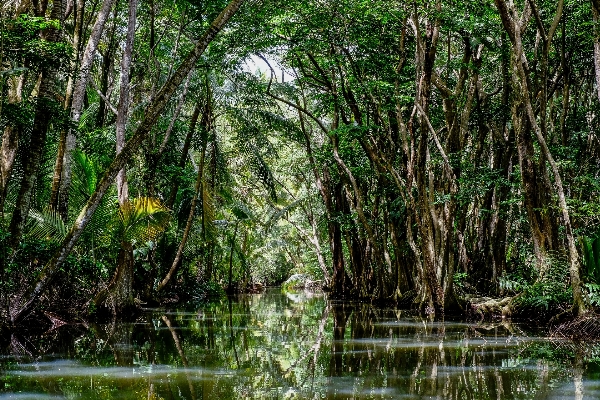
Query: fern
[(593, 293)]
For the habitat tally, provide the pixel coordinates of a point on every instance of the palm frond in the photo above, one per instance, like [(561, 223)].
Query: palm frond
[(242, 212), (218, 162), (195, 243), (10, 201), (105, 224), (283, 212), (46, 224), (143, 219), (88, 113), (260, 168), (83, 180), (278, 123)]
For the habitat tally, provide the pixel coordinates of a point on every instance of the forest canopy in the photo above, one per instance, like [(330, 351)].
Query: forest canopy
[(438, 155)]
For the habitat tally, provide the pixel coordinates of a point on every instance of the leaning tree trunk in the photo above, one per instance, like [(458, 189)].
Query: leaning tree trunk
[(62, 174), (188, 225), (153, 111), (77, 32), (44, 112)]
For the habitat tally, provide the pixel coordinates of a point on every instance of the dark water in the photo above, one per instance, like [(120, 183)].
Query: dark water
[(275, 346)]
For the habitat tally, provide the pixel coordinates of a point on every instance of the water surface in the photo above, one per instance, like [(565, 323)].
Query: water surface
[(276, 346)]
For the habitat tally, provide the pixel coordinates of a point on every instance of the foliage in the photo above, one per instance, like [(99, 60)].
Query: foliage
[(459, 279), (21, 40), (46, 224), (206, 292), (388, 142), (142, 219), (593, 290), (591, 258), (549, 294)]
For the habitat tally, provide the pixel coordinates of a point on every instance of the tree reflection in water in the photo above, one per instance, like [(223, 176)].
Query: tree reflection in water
[(295, 346)]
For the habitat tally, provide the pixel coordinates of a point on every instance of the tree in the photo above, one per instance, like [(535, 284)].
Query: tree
[(47, 109), (151, 115)]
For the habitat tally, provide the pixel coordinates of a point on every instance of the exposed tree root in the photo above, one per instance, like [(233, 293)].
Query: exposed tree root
[(583, 328), (487, 308), (565, 316)]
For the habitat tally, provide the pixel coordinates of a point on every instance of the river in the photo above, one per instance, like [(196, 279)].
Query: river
[(295, 346)]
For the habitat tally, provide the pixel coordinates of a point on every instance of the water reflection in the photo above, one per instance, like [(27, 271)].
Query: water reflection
[(274, 346)]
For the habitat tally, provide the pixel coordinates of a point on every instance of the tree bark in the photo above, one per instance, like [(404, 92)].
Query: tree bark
[(107, 66), (10, 136), (120, 290), (123, 110), (426, 53), (596, 18)]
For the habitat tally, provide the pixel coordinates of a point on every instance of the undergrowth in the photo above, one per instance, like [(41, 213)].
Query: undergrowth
[(542, 297)]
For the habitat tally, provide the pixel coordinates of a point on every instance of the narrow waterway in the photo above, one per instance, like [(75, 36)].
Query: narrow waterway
[(295, 346)]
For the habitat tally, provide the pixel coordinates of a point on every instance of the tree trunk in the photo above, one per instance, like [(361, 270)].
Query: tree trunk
[(184, 154), (153, 111), (426, 53), (10, 136), (232, 248), (123, 110), (188, 225), (118, 295), (107, 66), (596, 18), (513, 29), (10, 144), (47, 95), (121, 289), (340, 282), (62, 174), (58, 165)]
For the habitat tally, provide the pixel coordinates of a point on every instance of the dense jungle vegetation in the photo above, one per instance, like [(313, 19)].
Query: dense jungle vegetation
[(439, 155)]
